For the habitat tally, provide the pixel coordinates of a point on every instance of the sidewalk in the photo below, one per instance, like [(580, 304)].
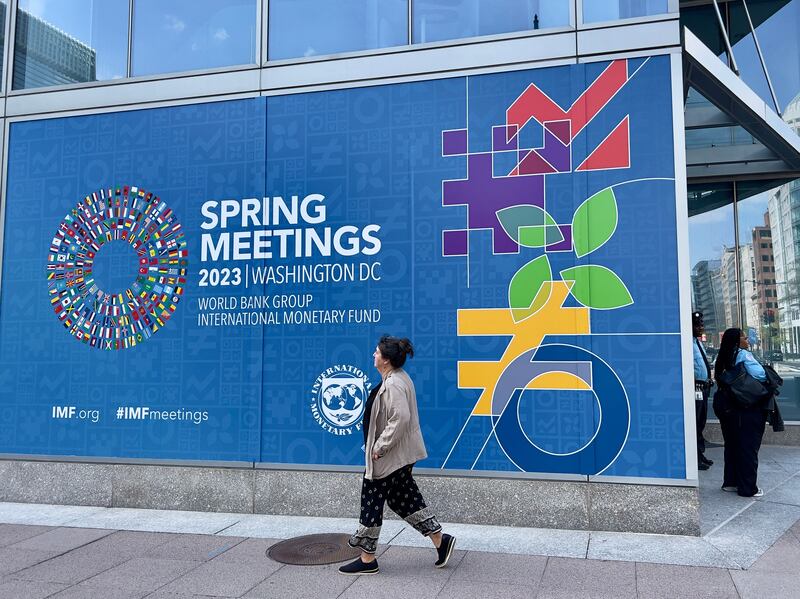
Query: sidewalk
[(749, 548)]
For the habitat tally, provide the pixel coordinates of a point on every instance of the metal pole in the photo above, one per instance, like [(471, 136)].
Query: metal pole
[(410, 17), (761, 57), (724, 31), (736, 260)]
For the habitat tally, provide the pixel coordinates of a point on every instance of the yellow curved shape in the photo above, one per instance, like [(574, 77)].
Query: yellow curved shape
[(559, 380), (552, 319)]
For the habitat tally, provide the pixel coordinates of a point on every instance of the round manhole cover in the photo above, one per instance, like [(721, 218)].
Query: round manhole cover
[(313, 550)]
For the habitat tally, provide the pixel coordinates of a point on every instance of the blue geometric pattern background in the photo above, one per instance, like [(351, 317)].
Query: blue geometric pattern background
[(376, 156)]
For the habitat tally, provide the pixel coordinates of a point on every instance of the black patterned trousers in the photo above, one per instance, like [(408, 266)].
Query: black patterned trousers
[(400, 491)]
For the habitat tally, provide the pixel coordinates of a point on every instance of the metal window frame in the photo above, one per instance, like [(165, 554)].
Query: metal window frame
[(11, 40), (263, 8), (6, 54), (131, 15)]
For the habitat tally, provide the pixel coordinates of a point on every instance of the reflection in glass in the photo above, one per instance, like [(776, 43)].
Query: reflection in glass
[(777, 24), (70, 41), (184, 35), (713, 137), (597, 11), (710, 137), (436, 20), (300, 28), (758, 278), (768, 294), (713, 259), (784, 322)]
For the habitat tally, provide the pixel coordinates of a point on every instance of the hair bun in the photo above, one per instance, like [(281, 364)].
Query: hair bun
[(406, 347)]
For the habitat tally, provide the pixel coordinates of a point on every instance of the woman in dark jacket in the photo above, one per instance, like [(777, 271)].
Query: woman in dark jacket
[(742, 428)]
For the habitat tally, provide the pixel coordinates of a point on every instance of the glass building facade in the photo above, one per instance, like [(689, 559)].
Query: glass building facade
[(744, 260)]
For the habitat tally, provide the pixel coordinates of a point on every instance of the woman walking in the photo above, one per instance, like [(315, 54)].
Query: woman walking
[(742, 427), (392, 444)]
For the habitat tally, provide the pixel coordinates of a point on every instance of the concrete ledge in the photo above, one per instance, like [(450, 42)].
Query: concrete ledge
[(504, 502), (789, 437), (182, 488), (56, 482), (640, 508), (574, 505), (305, 493)]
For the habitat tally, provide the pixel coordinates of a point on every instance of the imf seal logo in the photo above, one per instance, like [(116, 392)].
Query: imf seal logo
[(338, 397)]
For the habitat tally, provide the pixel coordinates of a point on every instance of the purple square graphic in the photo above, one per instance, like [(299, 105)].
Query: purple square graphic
[(500, 138), (566, 244), (455, 243), (454, 142)]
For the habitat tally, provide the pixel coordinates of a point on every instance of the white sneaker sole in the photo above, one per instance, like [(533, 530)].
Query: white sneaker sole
[(364, 573), (447, 556)]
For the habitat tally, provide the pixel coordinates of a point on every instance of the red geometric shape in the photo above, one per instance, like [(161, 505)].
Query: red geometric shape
[(534, 103), (533, 164), (561, 129), (613, 152)]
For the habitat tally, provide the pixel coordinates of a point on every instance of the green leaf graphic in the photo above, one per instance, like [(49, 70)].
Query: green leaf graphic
[(530, 288), (529, 226), (597, 287), (594, 222), (536, 236)]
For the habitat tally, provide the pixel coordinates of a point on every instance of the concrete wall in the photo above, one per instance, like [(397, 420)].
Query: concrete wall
[(510, 502)]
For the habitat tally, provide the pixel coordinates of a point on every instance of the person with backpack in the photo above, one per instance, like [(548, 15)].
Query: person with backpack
[(740, 402)]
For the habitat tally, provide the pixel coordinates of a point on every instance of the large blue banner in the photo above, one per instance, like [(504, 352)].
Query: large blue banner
[(210, 281)]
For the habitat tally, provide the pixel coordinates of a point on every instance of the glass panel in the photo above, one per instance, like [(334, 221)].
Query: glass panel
[(757, 263), (70, 41), (185, 35), (777, 30), (777, 23), (782, 320), (436, 20), (718, 136), (597, 11), (713, 259), (300, 28)]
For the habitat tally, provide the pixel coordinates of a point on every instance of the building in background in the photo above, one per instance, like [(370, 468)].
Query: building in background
[(49, 56), (784, 213), (707, 298)]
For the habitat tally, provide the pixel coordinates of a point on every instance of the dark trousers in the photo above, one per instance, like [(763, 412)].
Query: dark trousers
[(400, 491), (701, 415), (742, 431)]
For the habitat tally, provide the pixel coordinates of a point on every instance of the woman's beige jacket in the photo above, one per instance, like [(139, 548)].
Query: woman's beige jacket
[(394, 432)]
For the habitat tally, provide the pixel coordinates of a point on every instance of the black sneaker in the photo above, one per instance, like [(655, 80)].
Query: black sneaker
[(705, 460), (445, 550), (358, 567), (702, 466)]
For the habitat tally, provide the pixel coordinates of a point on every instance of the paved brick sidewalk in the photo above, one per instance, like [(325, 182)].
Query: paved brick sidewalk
[(73, 563)]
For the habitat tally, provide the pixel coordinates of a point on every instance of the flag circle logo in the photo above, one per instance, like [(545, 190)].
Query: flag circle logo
[(117, 320)]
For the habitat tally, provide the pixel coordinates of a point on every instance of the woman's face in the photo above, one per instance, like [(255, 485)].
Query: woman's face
[(378, 360), (744, 342)]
